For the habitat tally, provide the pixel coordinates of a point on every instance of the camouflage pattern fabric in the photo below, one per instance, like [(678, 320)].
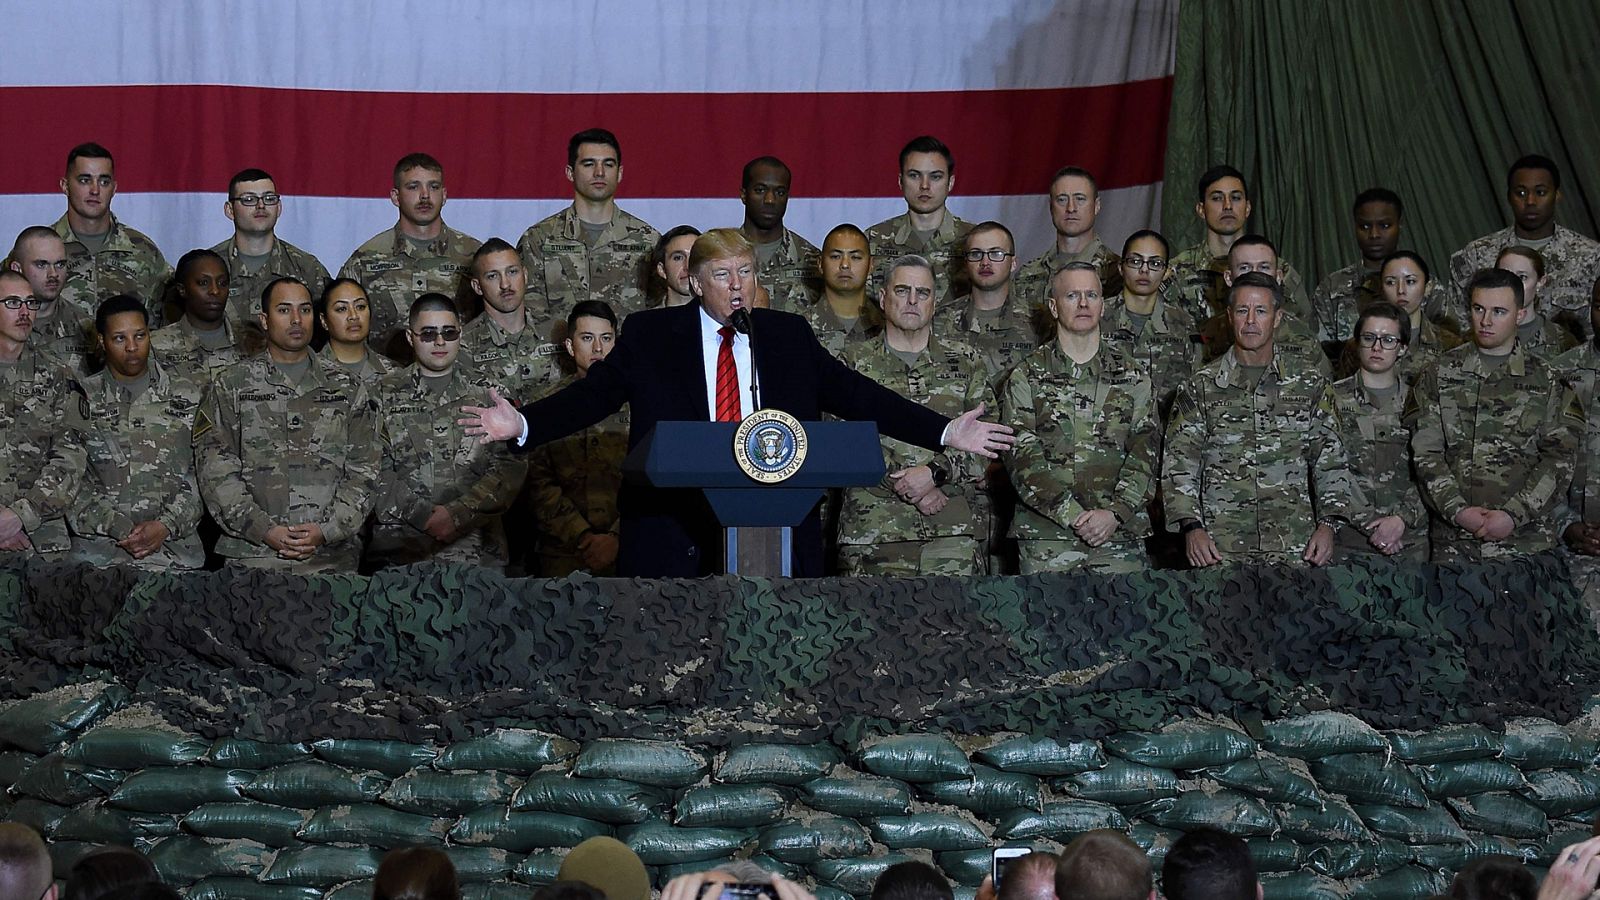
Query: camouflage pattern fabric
[(178, 347), (893, 238), (562, 269), (284, 261), (1429, 341), (394, 274), (1194, 282), (1579, 369), (572, 485), (128, 263), (1032, 282), (834, 335), (41, 461), (1544, 338), (1379, 448), (1165, 347), (524, 364), (1004, 337), (792, 275), (1571, 262), (372, 367), (68, 335)]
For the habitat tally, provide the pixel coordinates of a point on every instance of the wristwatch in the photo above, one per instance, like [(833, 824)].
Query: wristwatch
[(940, 476)]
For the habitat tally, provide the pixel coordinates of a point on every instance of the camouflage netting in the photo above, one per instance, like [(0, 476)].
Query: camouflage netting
[(1367, 730)]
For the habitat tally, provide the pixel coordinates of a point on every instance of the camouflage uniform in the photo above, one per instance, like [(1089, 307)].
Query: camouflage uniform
[(834, 335), (523, 364), (41, 461), (140, 468), (792, 275), (395, 274), (894, 238), (881, 534), (562, 269), (1428, 343), (574, 483), (1195, 282), (428, 461), (1545, 338), (1580, 369), (270, 452), (180, 350), (1086, 439), (1571, 262), (1496, 436), (371, 368), (1260, 464), (1379, 448), (284, 261), (1004, 337), (128, 263), (1165, 349), (1338, 300), (68, 336), (1032, 281)]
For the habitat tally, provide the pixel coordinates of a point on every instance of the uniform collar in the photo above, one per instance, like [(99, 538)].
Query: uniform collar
[(116, 238)]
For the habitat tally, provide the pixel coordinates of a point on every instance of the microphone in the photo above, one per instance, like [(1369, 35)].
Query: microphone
[(740, 320)]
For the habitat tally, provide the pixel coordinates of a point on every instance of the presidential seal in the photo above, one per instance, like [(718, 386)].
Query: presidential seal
[(770, 445)]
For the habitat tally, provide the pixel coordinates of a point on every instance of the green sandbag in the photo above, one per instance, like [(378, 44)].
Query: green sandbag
[(1404, 883), (1453, 857), (729, 806), (1430, 825), (988, 791), (1043, 756), (1335, 822), (665, 874), (779, 867), (136, 748), (323, 866), (539, 868), (822, 837), (829, 892), (275, 826), (494, 890), (392, 758), (1228, 811), (917, 758), (858, 875), (1277, 855), (1370, 778), (518, 751), (521, 832), (65, 854), (1449, 743), (40, 815), (12, 764), (433, 793), (1182, 745), (602, 799), (1351, 860), (788, 764), (478, 864), (1562, 792), (103, 825), (58, 780), (39, 724), (1154, 841), (1562, 835), (1122, 783), (242, 753), (250, 889), (660, 763), (355, 890), (1060, 820), (658, 843), (1300, 886), (179, 789), (859, 797), (1502, 814), (926, 831), (1319, 734), (372, 825), (966, 866), (1542, 744), (183, 860), (309, 785), (1269, 778), (1463, 779)]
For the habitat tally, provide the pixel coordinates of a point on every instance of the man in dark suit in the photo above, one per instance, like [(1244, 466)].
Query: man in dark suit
[(688, 363)]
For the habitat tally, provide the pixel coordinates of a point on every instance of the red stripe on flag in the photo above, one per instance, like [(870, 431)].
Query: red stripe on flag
[(503, 145)]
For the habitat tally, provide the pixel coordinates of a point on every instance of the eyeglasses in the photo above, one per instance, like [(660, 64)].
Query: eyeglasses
[(1389, 341), (254, 200), (450, 333), (1153, 264), (995, 254), (32, 303)]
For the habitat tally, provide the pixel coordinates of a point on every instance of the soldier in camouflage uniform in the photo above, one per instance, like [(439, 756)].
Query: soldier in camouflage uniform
[(592, 250), (1493, 433), (1293, 337), (1159, 336), (419, 254), (345, 315), (1254, 470), (845, 313), (1572, 260), (1540, 334), (62, 326), (929, 516), (787, 261), (927, 228), (1406, 282), (140, 504), (104, 256), (1074, 204), (512, 341), (574, 481), (41, 464), (1085, 459), (442, 493), (203, 340), (1340, 297), (287, 448), (255, 255), (993, 318), (1579, 517)]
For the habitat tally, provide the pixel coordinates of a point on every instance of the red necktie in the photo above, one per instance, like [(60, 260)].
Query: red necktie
[(727, 378)]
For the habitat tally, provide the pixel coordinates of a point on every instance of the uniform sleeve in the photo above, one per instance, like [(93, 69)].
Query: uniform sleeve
[(1183, 457), (1335, 492), (1136, 479), (402, 497), (1558, 439), (51, 494), (358, 487), (1325, 310), (94, 512), (552, 509), (531, 249), (493, 491), (220, 466), (1044, 485), (1440, 490)]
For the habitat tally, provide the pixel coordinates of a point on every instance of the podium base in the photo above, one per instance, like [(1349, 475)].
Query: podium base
[(760, 552)]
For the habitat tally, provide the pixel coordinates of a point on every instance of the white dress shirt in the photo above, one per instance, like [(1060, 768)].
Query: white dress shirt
[(710, 345)]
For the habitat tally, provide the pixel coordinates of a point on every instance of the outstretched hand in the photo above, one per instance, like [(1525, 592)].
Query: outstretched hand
[(969, 433), (499, 421)]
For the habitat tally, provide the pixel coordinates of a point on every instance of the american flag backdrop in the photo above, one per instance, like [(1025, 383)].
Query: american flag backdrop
[(327, 95)]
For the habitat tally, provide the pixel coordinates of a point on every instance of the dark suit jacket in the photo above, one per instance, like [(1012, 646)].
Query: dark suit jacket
[(658, 369)]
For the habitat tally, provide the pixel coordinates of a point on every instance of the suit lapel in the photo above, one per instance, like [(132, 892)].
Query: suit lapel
[(688, 357)]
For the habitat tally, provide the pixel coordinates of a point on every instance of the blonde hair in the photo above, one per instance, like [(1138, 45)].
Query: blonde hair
[(719, 243)]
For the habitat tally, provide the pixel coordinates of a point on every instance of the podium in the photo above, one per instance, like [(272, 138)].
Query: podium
[(758, 519)]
